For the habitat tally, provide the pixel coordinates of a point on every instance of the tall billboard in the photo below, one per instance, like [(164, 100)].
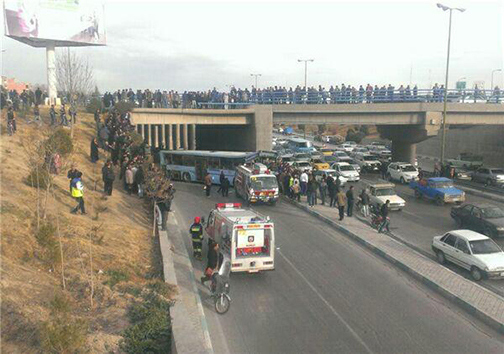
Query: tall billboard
[(60, 22)]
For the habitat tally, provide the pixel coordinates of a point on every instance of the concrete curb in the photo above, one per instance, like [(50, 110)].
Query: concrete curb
[(189, 328), (499, 326)]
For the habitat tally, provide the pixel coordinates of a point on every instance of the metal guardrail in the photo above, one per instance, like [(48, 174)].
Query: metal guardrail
[(353, 97)]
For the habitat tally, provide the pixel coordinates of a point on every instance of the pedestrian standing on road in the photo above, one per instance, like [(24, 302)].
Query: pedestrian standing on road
[(337, 184), (304, 182), (208, 184), (212, 262), (323, 189), (420, 174), (225, 187), (78, 193), (341, 200), (365, 203), (221, 180), (384, 211), (350, 201), (312, 191), (296, 190), (94, 154), (331, 189), (383, 170), (196, 231)]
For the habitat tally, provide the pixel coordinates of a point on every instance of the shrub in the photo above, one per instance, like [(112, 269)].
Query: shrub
[(60, 142), (93, 105), (123, 107), (63, 333), (46, 238), (41, 176), (151, 330), (116, 276)]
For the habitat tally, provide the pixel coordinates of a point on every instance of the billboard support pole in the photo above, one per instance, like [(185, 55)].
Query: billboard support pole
[(51, 73)]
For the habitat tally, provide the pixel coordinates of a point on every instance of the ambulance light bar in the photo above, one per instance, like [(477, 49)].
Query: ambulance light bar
[(227, 205)]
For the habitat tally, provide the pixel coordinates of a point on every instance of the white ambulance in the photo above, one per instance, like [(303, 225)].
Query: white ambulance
[(245, 236), (255, 183)]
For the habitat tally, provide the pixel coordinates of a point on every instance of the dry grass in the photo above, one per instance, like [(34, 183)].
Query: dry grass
[(116, 232)]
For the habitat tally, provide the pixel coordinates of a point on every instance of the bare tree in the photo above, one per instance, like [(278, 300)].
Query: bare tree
[(74, 75), (75, 78)]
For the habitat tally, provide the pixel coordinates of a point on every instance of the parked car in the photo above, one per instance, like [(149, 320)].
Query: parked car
[(367, 162), (472, 251), (402, 172), (379, 193), (483, 218), (354, 164), (359, 150), (329, 172), (302, 165), (439, 189), (302, 157), (348, 147), (466, 160), (462, 174), (288, 159), (327, 152), (322, 138), (489, 176), (346, 170), (319, 164)]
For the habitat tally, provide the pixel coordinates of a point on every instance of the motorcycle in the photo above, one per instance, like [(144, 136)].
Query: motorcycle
[(376, 218), (220, 288)]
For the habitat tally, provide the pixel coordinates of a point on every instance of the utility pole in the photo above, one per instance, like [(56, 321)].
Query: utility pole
[(443, 131)]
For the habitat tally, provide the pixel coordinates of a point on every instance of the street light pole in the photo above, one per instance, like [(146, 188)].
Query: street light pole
[(256, 75), (493, 72), (305, 70), (443, 129)]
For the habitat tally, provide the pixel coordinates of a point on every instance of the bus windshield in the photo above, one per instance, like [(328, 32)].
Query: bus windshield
[(263, 182)]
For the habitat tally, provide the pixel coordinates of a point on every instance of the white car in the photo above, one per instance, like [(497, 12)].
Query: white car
[(302, 166), (367, 162), (347, 147), (379, 193), (402, 172), (329, 172), (359, 150), (473, 251), (346, 170)]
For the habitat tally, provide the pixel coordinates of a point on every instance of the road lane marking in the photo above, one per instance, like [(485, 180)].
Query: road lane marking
[(333, 310)]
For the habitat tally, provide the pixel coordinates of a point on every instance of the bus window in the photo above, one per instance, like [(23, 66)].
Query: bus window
[(214, 163), (176, 160), (188, 160)]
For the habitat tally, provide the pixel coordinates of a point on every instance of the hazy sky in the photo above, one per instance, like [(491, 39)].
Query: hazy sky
[(199, 45)]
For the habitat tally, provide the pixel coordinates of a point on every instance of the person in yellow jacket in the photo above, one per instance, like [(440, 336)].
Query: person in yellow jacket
[(78, 193)]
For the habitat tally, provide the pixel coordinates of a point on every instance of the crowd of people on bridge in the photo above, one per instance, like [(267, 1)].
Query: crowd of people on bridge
[(343, 94)]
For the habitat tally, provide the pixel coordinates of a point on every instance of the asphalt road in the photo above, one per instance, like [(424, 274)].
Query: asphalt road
[(421, 220), (329, 295)]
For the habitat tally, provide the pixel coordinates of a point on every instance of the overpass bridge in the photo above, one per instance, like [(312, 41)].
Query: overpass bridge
[(250, 129)]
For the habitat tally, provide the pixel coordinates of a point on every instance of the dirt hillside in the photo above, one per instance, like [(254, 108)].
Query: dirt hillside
[(110, 251)]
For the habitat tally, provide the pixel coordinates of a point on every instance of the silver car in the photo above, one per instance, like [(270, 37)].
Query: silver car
[(490, 176)]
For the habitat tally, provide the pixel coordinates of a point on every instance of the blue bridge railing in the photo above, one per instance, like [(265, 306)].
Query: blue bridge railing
[(354, 97)]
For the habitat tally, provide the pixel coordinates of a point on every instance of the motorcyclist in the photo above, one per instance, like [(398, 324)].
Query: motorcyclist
[(196, 231)]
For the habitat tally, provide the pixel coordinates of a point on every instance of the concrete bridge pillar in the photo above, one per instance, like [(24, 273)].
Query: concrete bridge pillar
[(185, 135), (405, 137), (192, 136), (170, 137), (163, 136), (177, 137), (146, 133), (155, 135)]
